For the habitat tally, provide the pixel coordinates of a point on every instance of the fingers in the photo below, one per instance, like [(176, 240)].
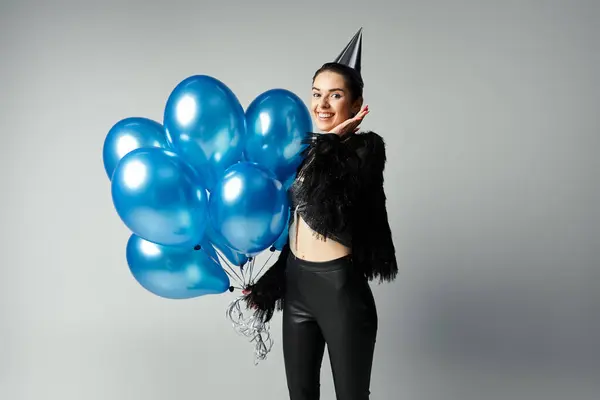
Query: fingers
[(343, 127), (362, 113), (359, 117)]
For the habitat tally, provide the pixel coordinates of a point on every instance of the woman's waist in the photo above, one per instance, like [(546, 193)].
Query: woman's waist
[(340, 262), (309, 245)]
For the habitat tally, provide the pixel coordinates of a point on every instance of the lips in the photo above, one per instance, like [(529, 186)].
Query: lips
[(324, 115)]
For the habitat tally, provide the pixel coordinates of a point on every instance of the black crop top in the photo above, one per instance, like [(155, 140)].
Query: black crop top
[(298, 207)]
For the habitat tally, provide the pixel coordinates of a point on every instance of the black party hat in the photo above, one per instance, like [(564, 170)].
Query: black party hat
[(351, 55)]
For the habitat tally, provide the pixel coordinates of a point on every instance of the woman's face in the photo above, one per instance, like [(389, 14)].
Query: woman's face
[(331, 102)]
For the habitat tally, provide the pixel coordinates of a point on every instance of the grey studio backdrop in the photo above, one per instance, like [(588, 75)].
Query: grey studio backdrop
[(490, 113)]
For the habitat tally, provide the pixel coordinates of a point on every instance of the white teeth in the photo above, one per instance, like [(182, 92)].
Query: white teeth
[(325, 115)]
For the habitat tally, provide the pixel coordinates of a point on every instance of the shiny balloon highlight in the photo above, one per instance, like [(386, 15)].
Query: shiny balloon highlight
[(160, 198), (129, 134), (277, 122), (248, 208), (206, 125)]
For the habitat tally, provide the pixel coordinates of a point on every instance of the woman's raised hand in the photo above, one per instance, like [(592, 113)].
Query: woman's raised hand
[(351, 125)]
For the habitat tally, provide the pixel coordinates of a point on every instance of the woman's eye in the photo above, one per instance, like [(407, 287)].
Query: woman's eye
[(315, 94)]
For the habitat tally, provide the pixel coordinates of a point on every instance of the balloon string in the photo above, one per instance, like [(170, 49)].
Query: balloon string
[(248, 276), (232, 278), (243, 271), (251, 270), (210, 256), (261, 268), (252, 328), (224, 260)]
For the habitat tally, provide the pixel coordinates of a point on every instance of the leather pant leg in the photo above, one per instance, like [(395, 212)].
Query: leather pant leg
[(303, 341), (328, 302)]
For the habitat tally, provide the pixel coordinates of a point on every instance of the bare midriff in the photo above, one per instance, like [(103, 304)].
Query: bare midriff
[(305, 245)]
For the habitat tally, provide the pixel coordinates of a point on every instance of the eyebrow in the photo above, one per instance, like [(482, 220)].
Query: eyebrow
[(331, 90)]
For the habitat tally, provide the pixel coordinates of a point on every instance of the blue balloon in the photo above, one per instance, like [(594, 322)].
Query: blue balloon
[(277, 122), (175, 272), (283, 238), (130, 134), (160, 198), (290, 180), (205, 124), (219, 242), (248, 208)]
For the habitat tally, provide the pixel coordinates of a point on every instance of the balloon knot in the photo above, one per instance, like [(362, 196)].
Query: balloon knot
[(197, 247)]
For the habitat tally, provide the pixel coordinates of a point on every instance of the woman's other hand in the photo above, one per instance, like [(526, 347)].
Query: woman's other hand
[(246, 292)]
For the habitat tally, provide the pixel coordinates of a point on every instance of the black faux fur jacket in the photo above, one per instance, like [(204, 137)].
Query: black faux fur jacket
[(343, 184)]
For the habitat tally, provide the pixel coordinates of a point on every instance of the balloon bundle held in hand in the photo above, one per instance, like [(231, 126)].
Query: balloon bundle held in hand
[(204, 192)]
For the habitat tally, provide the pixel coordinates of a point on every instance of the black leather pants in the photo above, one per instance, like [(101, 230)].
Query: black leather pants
[(328, 303)]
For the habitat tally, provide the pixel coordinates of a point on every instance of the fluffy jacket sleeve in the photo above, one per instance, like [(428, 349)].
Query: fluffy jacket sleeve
[(267, 294), (373, 243)]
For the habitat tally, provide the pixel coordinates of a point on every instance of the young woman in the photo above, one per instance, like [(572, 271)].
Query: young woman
[(339, 239)]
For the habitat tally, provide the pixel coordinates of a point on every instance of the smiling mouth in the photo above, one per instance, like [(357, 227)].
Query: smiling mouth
[(324, 116)]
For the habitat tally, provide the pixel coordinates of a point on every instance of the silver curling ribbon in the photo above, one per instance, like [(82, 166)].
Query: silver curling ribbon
[(252, 328)]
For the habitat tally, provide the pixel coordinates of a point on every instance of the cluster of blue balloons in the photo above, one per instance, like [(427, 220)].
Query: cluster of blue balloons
[(211, 176)]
